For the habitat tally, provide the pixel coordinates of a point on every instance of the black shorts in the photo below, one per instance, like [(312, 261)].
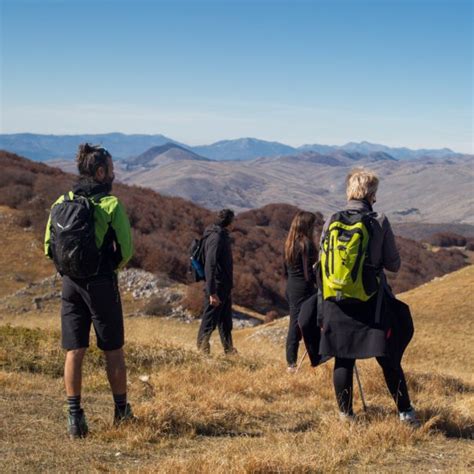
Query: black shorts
[(94, 301)]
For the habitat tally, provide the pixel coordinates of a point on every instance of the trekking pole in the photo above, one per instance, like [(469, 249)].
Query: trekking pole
[(360, 388), (301, 362)]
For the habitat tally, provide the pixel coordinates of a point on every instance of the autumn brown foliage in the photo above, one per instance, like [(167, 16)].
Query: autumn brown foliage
[(163, 228), (193, 300), (470, 244), (447, 239), (420, 265)]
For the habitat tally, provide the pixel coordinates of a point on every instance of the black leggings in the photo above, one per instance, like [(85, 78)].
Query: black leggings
[(394, 378), (293, 339), (296, 294)]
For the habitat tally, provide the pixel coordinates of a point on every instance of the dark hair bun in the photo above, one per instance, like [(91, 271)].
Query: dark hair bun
[(85, 148), (90, 157)]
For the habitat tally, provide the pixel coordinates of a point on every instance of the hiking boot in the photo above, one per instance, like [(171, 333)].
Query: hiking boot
[(231, 351), (124, 416), (409, 417), (77, 425), (292, 369), (204, 346)]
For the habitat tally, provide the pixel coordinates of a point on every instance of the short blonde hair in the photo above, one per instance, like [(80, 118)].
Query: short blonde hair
[(361, 184)]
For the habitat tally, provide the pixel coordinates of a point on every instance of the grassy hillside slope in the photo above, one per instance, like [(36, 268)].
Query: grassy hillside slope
[(234, 414)]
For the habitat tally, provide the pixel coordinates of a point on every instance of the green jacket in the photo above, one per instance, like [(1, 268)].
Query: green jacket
[(112, 228)]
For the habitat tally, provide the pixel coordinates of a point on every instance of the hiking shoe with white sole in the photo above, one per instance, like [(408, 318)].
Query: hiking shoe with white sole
[(292, 369), (77, 425), (124, 416), (409, 417)]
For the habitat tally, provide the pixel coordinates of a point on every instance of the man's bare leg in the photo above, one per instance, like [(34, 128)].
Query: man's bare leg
[(117, 375), (73, 371), (116, 371)]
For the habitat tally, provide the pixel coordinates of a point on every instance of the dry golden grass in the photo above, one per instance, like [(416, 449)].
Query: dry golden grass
[(218, 414), (444, 310), (16, 242), (235, 414)]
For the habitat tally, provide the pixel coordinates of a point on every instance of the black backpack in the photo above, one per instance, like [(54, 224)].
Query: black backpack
[(197, 259), (72, 227)]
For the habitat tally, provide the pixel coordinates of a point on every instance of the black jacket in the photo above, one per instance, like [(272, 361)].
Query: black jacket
[(218, 260)]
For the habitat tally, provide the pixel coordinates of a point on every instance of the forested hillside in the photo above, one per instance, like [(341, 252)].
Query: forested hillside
[(163, 228)]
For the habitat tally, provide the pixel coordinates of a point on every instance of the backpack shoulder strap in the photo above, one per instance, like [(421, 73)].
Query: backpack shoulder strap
[(97, 197), (369, 219)]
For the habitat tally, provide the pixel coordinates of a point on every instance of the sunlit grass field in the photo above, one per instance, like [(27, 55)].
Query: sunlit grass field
[(229, 414)]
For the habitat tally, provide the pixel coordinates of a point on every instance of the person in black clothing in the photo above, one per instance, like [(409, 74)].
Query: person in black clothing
[(363, 330), (218, 270), (300, 256), (93, 300)]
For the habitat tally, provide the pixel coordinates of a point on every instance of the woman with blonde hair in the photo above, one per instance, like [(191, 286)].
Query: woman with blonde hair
[(300, 256), (357, 321)]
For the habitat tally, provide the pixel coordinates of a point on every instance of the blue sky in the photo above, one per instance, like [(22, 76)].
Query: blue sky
[(397, 72)]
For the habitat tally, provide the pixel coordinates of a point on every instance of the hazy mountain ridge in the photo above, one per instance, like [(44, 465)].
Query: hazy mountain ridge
[(400, 153), (46, 147), (160, 156), (424, 190), (243, 149)]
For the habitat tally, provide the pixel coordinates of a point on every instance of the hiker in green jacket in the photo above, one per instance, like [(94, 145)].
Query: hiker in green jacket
[(88, 237)]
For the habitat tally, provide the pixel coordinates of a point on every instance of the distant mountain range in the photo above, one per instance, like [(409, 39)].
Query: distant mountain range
[(64, 147), (433, 190), (243, 149), (398, 153), (57, 147)]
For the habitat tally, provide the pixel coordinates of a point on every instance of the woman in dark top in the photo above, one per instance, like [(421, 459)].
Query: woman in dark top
[(360, 330), (300, 256)]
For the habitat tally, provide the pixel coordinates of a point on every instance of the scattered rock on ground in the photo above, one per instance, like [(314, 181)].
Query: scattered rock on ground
[(276, 333)]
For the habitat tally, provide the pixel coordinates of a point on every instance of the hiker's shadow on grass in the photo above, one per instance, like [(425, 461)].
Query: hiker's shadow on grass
[(441, 420), (211, 431), (447, 424), (440, 384), (303, 427)]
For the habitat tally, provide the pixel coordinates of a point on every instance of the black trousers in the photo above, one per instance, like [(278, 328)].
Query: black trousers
[(220, 317), (296, 295), (394, 378), (293, 339), (311, 332)]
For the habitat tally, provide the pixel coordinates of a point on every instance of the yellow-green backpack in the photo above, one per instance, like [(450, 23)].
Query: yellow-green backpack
[(346, 271)]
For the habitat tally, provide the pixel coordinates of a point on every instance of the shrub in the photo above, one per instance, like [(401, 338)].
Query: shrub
[(158, 306), (447, 239), (193, 300), (470, 244), (15, 195), (23, 221)]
